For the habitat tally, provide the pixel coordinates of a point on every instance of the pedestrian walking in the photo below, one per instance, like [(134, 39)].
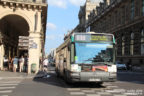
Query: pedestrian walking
[(45, 65), (21, 64), (15, 63), (10, 64)]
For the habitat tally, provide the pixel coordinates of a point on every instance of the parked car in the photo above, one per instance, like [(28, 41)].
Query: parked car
[(121, 66)]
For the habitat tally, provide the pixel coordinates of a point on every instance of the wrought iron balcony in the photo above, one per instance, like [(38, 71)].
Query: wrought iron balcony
[(29, 1)]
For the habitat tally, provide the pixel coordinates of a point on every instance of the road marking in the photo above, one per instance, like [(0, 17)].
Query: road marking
[(120, 95), (116, 91), (88, 91), (77, 93), (73, 89), (99, 88), (4, 95), (7, 87), (7, 84), (112, 86), (92, 95), (6, 91), (131, 94), (20, 77)]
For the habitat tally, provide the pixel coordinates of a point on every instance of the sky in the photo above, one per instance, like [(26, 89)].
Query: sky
[(62, 16)]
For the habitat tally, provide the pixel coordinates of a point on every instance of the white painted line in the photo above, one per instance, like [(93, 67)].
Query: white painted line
[(13, 78), (7, 87), (7, 84), (112, 86), (115, 91), (73, 89), (97, 89), (120, 95), (88, 91), (6, 91), (92, 95), (132, 94), (77, 93), (4, 95)]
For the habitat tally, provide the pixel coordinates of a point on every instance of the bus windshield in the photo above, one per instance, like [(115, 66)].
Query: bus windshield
[(92, 53)]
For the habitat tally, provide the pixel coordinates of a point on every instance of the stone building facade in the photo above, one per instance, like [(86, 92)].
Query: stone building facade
[(23, 18), (124, 19), (83, 14)]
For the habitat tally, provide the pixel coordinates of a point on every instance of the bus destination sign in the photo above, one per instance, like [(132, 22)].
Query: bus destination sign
[(93, 38)]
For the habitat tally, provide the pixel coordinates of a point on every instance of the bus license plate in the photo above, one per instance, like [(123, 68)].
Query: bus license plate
[(92, 79)]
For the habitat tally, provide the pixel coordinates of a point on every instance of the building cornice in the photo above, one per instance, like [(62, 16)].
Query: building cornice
[(93, 17), (24, 4)]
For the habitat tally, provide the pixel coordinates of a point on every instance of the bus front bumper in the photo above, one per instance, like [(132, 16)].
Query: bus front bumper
[(93, 76)]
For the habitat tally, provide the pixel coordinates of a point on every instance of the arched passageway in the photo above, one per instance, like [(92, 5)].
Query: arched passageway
[(11, 27)]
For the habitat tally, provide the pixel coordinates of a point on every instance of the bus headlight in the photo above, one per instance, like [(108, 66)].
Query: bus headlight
[(75, 68), (112, 68)]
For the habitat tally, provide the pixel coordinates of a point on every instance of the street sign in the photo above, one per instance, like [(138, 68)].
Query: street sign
[(23, 43)]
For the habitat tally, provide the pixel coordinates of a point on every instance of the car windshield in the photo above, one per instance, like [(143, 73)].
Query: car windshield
[(91, 53)]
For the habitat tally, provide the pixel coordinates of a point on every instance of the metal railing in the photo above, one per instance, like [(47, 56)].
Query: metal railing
[(29, 1)]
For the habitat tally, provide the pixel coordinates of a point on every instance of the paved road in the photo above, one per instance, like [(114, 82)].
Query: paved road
[(53, 86)]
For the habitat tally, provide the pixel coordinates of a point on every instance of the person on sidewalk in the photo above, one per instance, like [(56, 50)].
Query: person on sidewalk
[(21, 64), (45, 65), (10, 64), (15, 63)]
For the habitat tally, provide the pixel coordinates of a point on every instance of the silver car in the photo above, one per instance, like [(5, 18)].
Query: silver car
[(121, 66)]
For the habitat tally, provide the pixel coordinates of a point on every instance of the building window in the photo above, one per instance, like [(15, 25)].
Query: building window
[(142, 7), (132, 44), (123, 45), (132, 8), (142, 41)]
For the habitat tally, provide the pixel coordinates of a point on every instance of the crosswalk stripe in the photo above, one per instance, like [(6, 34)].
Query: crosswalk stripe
[(92, 95), (6, 91), (77, 93), (73, 89), (112, 86), (88, 91), (7, 84), (4, 95), (7, 87), (2, 82)]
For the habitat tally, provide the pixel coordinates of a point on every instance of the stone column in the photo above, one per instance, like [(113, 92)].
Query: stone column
[(9, 52), (1, 56), (34, 50)]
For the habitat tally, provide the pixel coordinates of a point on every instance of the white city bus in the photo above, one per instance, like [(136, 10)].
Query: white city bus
[(87, 57)]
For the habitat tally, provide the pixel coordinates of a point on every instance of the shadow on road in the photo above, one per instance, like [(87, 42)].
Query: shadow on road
[(52, 79)]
